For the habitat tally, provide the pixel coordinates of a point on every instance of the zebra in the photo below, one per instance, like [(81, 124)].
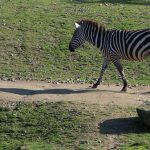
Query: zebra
[(114, 45)]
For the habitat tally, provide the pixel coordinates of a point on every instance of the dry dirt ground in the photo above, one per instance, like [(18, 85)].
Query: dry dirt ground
[(42, 91)]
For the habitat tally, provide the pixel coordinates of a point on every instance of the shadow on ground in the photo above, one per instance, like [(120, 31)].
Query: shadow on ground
[(145, 93), (46, 91), (52, 91), (133, 2), (123, 126)]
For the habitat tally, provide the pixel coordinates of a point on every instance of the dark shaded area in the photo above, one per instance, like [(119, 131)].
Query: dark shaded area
[(133, 2), (123, 126), (52, 91), (145, 93), (46, 91)]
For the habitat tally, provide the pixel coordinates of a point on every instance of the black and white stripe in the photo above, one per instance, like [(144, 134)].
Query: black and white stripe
[(114, 44)]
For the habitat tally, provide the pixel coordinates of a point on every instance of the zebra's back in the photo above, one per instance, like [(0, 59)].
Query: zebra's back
[(131, 45), (138, 44)]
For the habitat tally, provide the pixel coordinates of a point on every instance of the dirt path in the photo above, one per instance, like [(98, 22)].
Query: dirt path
[(42, 91)]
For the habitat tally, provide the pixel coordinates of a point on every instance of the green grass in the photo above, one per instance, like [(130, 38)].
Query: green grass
[(67, 125), (41, 126), (34, 38)]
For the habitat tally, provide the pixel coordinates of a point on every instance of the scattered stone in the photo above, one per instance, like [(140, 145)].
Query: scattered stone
[(13, 79), (146, 102), (136, 85), (55, 82), (113, 146), (99, 141), (5, 79), (130, 86)]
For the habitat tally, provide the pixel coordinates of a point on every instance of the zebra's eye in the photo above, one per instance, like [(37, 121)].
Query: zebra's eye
[(75, 34)]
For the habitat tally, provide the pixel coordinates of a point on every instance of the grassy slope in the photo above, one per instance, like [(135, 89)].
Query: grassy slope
[(53, 126), (34, 37)]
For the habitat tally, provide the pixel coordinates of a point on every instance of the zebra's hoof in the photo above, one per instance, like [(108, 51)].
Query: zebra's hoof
[(124, 89), (94, 86)]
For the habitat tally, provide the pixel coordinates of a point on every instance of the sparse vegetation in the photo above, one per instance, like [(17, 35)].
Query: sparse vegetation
[(34, 37), (67, 125)]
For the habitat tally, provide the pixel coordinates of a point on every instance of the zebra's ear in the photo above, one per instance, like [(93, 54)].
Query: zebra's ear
[(77, 25)]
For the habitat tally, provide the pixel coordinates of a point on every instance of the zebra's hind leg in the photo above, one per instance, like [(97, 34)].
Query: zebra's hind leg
[(121, 72), (104, 67)]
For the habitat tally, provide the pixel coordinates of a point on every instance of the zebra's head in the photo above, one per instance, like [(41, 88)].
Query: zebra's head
[(78, 37)]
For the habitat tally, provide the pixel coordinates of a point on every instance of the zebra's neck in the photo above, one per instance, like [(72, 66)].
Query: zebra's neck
[(96, 35)]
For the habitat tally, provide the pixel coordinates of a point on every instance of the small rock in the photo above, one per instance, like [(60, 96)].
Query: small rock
[(56, 83), (136, 85), (99, 141), (13, 79), (4, 79)]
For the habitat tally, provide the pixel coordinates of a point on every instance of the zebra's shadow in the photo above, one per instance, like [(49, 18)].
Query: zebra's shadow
[(58, 91), (133, 2)]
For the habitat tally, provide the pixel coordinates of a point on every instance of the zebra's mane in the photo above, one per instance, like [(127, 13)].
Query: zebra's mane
[(92, 23)]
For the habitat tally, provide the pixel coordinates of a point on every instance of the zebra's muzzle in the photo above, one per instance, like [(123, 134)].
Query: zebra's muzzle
[(71, 49)]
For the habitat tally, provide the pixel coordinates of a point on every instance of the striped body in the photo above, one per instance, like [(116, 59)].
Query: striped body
[(114, 44), (131, 45)]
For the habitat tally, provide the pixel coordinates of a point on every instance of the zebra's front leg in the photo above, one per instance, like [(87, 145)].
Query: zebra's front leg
[(104, 67), (121, 72)]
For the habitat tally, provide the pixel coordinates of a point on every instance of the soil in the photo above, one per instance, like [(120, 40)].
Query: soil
[(43, 91)]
